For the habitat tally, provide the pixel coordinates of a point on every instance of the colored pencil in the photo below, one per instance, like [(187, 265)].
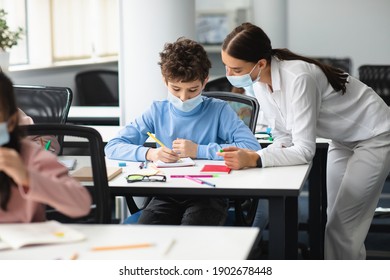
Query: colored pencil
[(122, 247)]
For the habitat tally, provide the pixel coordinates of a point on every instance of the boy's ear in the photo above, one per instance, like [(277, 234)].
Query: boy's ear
[(205, 82)]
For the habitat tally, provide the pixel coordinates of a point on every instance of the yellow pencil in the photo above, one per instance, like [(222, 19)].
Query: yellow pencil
[(155, 139), (122, 247)]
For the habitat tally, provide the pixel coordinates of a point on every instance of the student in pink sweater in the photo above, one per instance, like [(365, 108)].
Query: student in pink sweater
[(31, 177)]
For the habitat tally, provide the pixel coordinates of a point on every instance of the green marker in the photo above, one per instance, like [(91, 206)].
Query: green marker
[(221, 151), (48, 145)]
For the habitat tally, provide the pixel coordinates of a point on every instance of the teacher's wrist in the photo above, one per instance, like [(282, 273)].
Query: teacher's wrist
[(253, 159), (257, 161)]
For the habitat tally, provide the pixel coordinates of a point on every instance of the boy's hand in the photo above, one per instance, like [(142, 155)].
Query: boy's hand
[(237, 158), (163, 153), (185, 148)]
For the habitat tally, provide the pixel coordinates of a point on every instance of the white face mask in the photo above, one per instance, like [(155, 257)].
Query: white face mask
[(187, 105), (4, 134), (244, 81)]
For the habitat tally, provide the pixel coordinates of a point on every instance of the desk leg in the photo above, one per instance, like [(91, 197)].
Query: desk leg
[(276, 227), (283, 228), (317, 204), (291, 228)]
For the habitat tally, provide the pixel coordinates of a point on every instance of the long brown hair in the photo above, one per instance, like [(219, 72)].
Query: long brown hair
[(8, 108), (250, 43)]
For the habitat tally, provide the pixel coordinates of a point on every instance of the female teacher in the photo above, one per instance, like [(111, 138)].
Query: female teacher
[(304, 99)]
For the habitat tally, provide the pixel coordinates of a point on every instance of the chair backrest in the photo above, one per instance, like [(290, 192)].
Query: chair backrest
[(342, 63), (98, 88), (219, 84), (378, 78), (44, 104), (241, 104), (101, 212)]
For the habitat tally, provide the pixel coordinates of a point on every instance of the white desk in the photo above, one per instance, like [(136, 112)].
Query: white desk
[(171, 242), (317, 189), (280, 185), (94, 115)]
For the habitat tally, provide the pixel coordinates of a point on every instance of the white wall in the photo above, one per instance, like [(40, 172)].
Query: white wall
[(271, 16), (355, 28), (340, 28), (145, 26)]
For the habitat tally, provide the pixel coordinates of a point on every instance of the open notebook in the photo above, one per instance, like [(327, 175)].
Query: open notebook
[(15, 236), (180, 163)]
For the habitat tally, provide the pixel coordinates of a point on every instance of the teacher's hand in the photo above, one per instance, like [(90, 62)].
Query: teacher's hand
[(237, 158)]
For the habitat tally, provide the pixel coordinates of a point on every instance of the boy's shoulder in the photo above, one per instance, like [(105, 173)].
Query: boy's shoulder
[(159, 104)]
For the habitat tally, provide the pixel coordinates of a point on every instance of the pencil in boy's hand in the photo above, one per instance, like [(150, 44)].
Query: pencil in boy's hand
[(155, 139)]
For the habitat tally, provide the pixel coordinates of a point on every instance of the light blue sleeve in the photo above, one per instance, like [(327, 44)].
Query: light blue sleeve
[(128, 144), (231, 132)]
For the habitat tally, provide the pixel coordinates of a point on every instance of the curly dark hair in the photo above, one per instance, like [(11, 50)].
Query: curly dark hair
[(184, 60)]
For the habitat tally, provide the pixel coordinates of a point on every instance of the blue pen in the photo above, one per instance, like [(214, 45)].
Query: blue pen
[(206, 183)]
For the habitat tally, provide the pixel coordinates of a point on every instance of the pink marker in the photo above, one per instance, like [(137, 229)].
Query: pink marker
[(195, 176)]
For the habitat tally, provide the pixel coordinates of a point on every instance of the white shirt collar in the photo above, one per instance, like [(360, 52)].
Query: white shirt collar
[(275, 74)]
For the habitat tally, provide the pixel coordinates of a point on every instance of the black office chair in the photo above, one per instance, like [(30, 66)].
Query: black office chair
[(342, 63), (98, 88), (101, 211), (44, 104), (219, 84), (378, 78), (238, 102)]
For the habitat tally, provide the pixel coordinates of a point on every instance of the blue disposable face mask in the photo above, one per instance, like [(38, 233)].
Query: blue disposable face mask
[(185, 106), (244, 81), (4, 134)]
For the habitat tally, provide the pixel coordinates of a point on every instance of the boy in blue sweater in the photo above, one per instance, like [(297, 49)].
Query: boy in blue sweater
[(190, 125)]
